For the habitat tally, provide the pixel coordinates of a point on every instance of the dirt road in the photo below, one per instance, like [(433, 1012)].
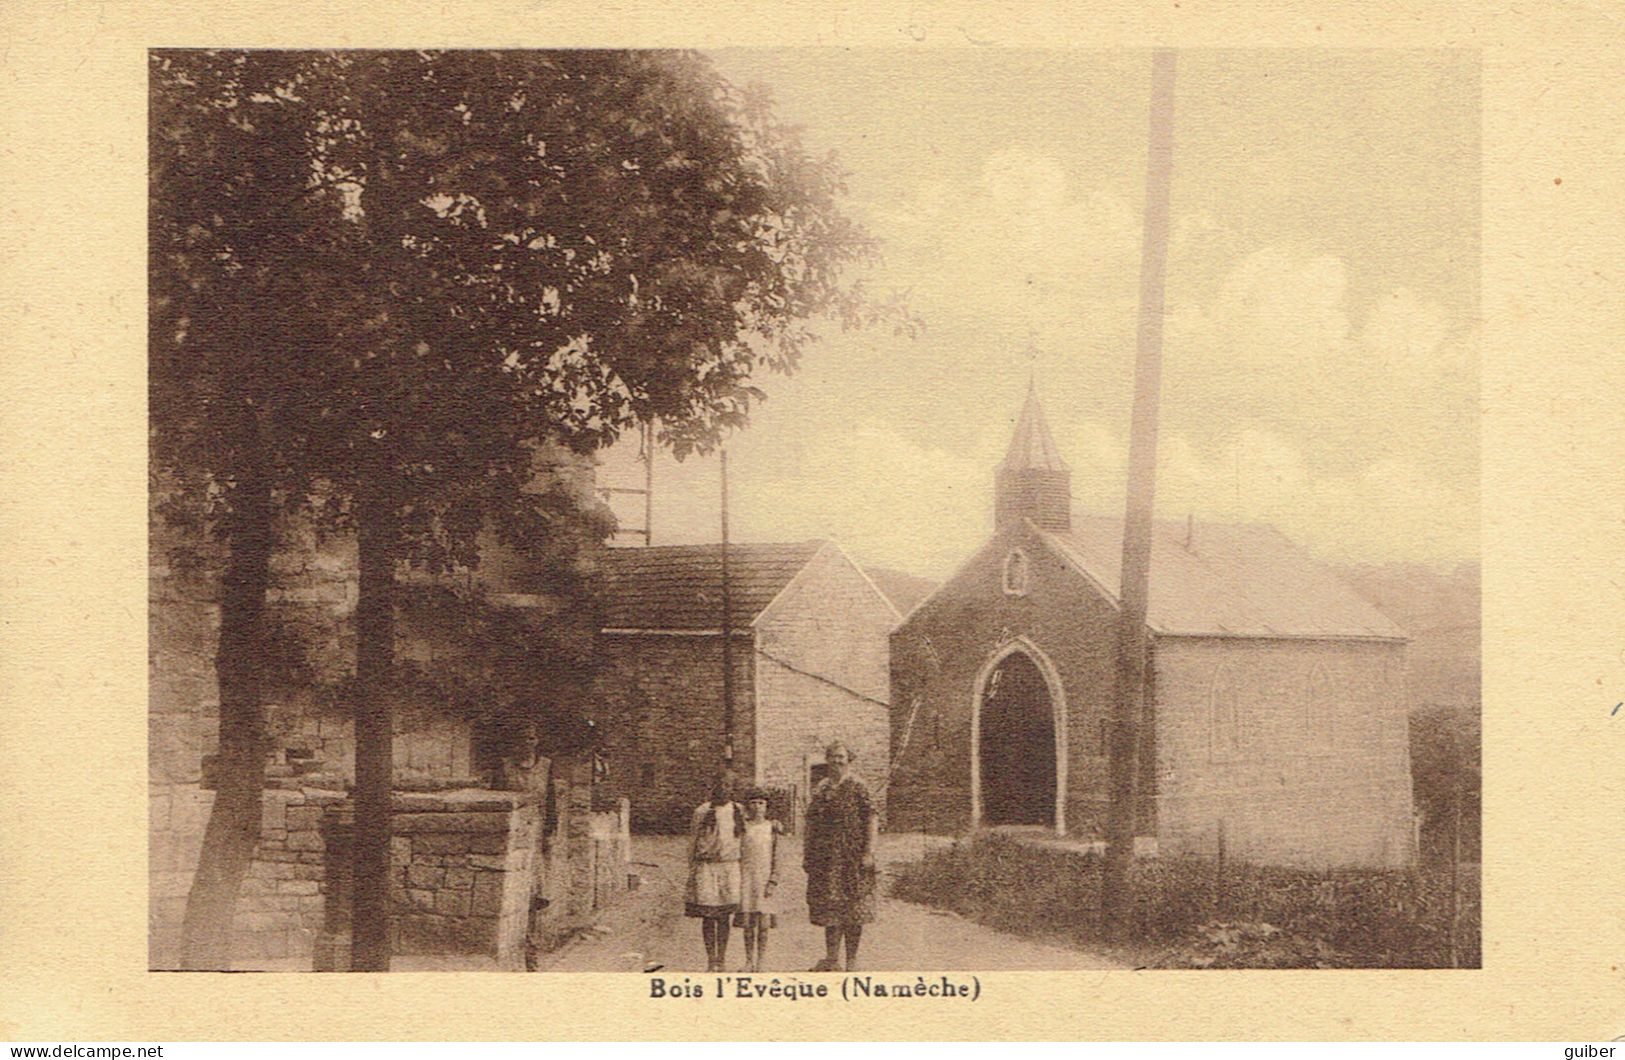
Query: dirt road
[(648, 927)]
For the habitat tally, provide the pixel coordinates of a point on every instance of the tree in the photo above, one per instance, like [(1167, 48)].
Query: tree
[(233, 223), (526, 248)]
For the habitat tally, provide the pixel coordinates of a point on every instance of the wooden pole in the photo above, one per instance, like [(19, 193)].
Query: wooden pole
[(1455, 848), (1117, 899), (727, 628), (649, 483)]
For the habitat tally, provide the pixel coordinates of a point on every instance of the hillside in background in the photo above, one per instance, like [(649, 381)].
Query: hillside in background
[(904, 590), (1439, 610)]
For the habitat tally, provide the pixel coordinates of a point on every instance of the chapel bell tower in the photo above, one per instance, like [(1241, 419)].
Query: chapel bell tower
[(1033, 482)]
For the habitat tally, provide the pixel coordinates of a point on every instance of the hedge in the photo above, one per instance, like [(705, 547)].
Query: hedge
[(1193, 913)]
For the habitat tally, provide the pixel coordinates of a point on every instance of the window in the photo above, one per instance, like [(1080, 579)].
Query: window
[(1224, 716), (1015, 573)]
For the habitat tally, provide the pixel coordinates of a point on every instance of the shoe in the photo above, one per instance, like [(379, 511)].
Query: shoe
[(826, 965)]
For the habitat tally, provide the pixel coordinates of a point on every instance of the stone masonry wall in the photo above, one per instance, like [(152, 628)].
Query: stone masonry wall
[(658, 710), (585, 858), (1317, 773), (823, 673), (465, 868), (310, 608), (280, 909), (938, 652)]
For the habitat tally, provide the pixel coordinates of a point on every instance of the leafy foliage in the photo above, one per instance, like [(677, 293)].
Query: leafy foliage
[(416, 269), (394, 278), (1446, 771), (426, 262), (1191, 914)]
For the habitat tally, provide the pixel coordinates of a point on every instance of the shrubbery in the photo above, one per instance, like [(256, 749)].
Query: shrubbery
[(1191, 915)]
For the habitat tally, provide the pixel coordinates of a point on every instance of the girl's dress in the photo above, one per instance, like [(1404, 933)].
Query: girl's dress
[(713, 864), (758, 867)]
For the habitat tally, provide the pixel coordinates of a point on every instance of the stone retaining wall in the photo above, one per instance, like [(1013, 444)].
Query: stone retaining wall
[(280, 908), (464, 866)]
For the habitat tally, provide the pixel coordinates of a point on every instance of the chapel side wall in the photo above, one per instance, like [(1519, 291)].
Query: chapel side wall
[(1310, 780), (658, 709), (834, 624), (939, 651)]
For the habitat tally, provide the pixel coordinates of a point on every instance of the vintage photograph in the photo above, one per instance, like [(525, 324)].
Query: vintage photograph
[(789, 511)]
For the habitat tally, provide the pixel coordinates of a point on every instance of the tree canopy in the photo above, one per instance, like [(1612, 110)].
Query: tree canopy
[(382, 282), (438, 255)]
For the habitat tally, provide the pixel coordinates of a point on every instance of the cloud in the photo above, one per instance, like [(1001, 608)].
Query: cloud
[(1024, 185), (1276, 303), (1349, 424), (1403, 329), (1387, 508), (883, 493), (1016, 240)]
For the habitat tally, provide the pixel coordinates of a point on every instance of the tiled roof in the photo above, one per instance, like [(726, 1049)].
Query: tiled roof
[(1233, 579), (680, 586)]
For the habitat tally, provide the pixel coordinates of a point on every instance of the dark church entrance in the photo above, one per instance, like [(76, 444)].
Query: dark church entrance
[(1017, 745)]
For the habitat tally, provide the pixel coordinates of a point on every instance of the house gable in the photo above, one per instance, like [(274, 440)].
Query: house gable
[(822, 671)]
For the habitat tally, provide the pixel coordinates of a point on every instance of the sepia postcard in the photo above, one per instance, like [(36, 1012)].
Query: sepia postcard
[(824, 506)]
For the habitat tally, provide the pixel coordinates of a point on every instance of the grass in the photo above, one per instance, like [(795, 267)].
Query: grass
[(1190, 914)]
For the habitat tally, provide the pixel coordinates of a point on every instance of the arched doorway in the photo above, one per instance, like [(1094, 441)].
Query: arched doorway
[(1019, 767)]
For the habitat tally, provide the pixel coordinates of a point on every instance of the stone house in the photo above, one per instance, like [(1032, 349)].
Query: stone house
[(808, 659), (481, 843), (1275, 718)]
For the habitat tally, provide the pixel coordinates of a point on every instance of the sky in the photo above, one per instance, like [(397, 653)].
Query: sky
[(1320, 364)]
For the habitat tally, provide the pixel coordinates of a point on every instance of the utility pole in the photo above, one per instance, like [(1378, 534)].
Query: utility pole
[(727, 628), (649, 483), (1455, 842), (1117, 896)]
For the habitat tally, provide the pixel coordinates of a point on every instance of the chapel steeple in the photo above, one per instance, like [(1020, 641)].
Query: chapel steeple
[(1032, 482)]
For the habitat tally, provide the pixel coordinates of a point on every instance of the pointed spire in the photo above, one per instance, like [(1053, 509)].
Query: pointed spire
[(1032, 447)]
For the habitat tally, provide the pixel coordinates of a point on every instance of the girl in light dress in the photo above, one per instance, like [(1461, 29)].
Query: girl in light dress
[(716, 835), (758, 877)]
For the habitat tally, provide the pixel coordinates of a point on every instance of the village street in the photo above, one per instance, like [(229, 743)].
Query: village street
[(648, 927)]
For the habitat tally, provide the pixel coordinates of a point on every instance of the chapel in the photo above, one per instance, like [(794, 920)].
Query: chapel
[(1275, 716)]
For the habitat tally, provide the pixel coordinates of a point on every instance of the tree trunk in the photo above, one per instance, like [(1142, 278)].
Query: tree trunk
[(374, 726), (233, 830)]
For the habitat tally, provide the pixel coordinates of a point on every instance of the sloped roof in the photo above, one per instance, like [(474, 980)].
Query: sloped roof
[(679, 587), (1235, 579), (903, 590), (1032, 445)]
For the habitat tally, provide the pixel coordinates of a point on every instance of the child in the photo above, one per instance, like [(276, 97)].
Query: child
[(758, 876), (713, 869)]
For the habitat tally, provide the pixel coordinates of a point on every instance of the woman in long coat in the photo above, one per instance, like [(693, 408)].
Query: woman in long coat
[(839, 856)]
